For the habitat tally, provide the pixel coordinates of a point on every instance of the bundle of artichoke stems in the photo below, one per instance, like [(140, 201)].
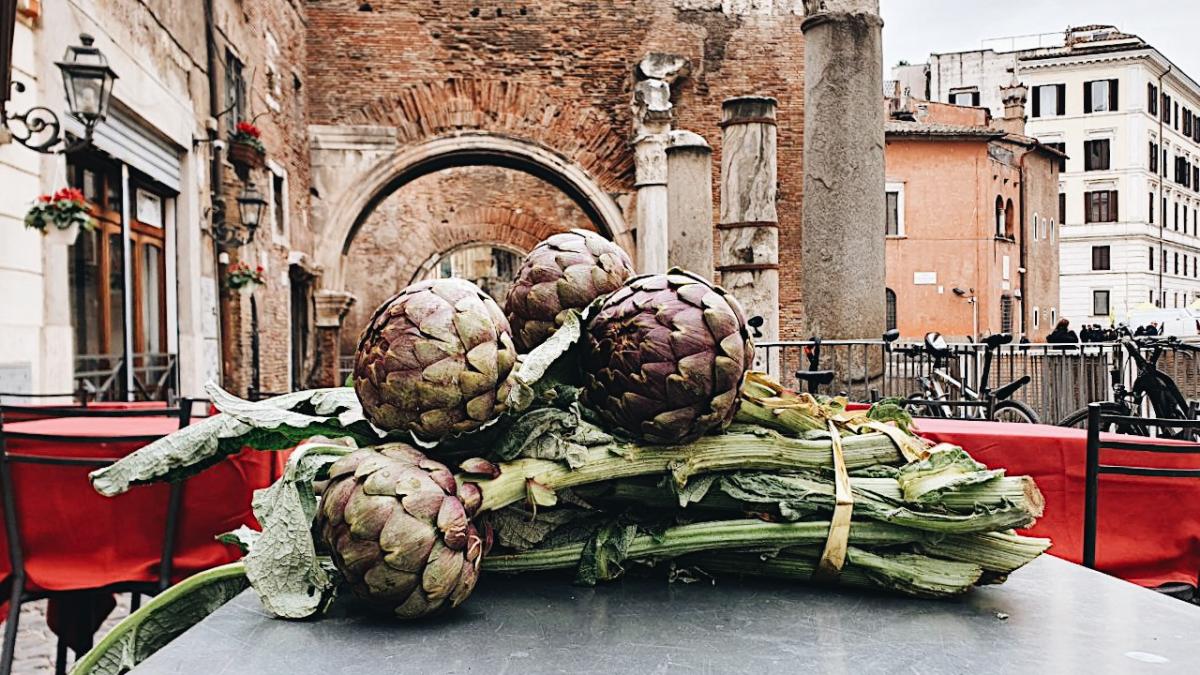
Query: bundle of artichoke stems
[(600, 421)]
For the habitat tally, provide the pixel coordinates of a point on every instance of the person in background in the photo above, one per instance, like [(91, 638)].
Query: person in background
[(1140, 331), (1062, 333), (1152, 329)]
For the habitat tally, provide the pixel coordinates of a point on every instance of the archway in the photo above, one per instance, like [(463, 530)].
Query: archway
[(351, 209)]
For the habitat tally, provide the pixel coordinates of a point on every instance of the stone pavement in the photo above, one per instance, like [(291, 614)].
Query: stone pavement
[(36, 644)]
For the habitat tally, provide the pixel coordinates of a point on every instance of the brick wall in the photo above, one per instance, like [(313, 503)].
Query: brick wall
[(559, 73), (439, 212)]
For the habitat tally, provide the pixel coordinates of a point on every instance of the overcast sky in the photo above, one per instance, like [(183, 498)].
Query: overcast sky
[(915, 28)]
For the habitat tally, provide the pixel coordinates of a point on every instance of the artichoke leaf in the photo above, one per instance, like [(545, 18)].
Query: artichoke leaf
[(271, 424), (282, 563), (243, 538), (533, 367)]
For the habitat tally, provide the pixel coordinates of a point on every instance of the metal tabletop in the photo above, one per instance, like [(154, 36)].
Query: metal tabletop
[(1052, 616)]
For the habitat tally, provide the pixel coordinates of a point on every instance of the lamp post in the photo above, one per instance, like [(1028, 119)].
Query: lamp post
[(250, 208), (87, 82)]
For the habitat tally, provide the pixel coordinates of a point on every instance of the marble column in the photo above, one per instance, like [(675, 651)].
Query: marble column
[(331, 307), (749, 226), (689, 203), (842, 280), (650, 153)]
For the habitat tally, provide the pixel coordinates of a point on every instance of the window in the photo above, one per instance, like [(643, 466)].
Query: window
[(1176, 225), (1151, 99), (235, 89), (1151, 208), (1062, 161), (1006, 313), (1164, 261), (1099, 303), (1099, 96), (1196, 178), (895, 209), (1009, 220), (279, 205), (970, 98), (1153, 157), (1176, 262), (890, 298), (1187, 122), (1050, 230), (1151, 258), (1062, 207), (1036, 318), (1037, 227), (1095, 155), (1053, 316), (999, 216), (1166, 108), (1049, 100), (1175, 117), (1100, 206), (1100, 258)]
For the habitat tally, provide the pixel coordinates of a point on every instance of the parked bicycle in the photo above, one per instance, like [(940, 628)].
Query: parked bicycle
[(1150, 385), (994, 404)]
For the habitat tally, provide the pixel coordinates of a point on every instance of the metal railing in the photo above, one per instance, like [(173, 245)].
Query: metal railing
[(154, 376), (1063, 378)]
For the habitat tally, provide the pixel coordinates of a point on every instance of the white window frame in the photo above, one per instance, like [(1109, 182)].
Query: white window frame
[(280, 235), (898, 188)]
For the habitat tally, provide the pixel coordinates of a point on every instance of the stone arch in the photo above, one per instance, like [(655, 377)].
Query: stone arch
[(351, 209)]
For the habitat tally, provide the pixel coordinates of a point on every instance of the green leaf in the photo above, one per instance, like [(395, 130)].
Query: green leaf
[(551, 433), (537, 495), (282, 563), (694, 490), (243, 538), (604, 553), (948, 468), (889, 410), (277, 423), (161, 620)]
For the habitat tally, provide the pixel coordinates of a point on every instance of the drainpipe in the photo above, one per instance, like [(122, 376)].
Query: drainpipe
[(215, 180), (1022, 250), (1162, 216)]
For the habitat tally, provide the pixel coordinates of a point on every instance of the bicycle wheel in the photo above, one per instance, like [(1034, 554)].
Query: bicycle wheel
[(1079, 419), (1014, 411), (923, 409)]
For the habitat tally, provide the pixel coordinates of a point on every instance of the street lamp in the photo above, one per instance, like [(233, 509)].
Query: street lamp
[(87, 81), (250, 207)]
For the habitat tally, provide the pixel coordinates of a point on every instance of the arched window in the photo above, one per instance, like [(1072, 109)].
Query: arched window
[(999, 216), (1037, 227), (891, 308), (1009, 220)]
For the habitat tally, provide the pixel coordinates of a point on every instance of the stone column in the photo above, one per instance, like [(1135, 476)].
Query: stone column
[(331, 307), (842, 278), (749, 225), (689, 203), (650, 153)]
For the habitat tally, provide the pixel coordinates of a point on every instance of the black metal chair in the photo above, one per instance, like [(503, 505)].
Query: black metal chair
[(19, 594), (1099, 420)]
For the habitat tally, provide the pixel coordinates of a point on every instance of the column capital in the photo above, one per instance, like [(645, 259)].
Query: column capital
[(332, 307), (650, 159)]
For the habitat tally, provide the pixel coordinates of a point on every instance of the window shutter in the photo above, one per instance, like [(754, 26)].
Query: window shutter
[(1037, 101), (1112, 94), (1087, 97), (1087, 207), (1112, 206), (1061, 98), (975, 98)]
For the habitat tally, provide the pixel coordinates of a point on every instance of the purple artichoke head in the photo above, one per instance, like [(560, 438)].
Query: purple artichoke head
[(664, 357), (399, 530), (435, 360), (566, 271)]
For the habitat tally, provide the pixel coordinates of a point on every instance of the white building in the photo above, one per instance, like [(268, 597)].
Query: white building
[(1129, 198)]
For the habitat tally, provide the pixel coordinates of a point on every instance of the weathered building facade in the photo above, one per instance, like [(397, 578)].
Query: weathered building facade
[(972, 247), (405, 140)]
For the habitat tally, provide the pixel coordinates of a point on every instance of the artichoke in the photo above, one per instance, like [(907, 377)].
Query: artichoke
[(566, 271), (399, 530), (664, 357), (435, 360)]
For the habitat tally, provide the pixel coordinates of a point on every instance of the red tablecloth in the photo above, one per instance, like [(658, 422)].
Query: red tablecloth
[(1149, 528), (30, 411), (74, 539)]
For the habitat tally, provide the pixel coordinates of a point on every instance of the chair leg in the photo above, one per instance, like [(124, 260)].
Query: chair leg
[(60, 658), (10, 627)]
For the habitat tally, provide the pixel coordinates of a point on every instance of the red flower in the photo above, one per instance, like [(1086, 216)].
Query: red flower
[(45, 199), (260, 269), (248, 129)]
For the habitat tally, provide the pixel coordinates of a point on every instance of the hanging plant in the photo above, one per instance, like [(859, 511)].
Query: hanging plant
[(246, 148), (241, 277), (61, 216)]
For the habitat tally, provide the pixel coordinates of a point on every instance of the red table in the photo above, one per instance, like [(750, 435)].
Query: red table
[(1149, 528), (75, 539)]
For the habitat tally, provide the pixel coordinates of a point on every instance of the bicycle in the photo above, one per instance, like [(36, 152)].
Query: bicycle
[(999, 406), (1150, 384)]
